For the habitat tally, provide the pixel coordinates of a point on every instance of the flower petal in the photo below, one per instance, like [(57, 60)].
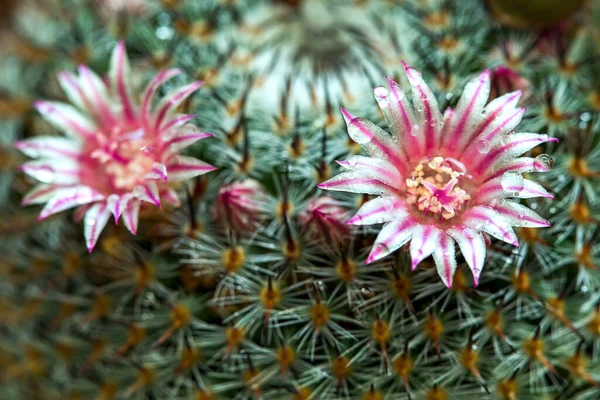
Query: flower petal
[(392, 236), (424, 240), (373, 167), (187, 167), (486, 219), (120, 75), (62, 171), (356, 182), (187, 135), (472, 247), (510, 146), (148, 193), (374, 140), (445, 259), (40, 194), (96, 96), (172, 101), (468, 111), (49, 146), (533, 189), (518, 215), (149, 93), (66, 118), (131, 210), (378, 211), (70, 197), (94, 222), (428, 112)]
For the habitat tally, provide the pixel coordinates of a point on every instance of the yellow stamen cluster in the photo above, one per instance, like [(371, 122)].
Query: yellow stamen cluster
[(437, 171)]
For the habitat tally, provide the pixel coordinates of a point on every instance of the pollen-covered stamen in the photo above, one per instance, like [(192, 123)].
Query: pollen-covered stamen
[(434, 187), (126, 158)]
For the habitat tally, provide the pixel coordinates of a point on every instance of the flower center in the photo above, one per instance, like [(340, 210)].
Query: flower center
[(434, 187), (124, 157)]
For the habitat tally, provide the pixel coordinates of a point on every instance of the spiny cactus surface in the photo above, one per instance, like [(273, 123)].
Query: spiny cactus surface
[(299, 199)]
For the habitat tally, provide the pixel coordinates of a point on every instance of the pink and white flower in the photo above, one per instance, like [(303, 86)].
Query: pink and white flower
[(241, 205), (442, 179), (116, 152), (323, 218)]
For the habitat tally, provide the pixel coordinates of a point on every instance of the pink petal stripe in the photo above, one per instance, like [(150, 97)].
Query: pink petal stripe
[(493, 110), (46, 171), (403, 115), (508, 124), (373, 139), (469, 108), (151, 89), (172, 101), (149, 193), (427, 107), (119, 73), (518, 144), (183, 141), (187, 167), (424, 240), (98, 101), (94, 222), (533, 189), (486, 219), (130, 214), (472, 246), (379, 210), (521, 165), (373, 167), (40, 194), (68, 198), (178, 120), (70, 85), (445, 259), (65, 117), (519, 215), (49, 146), (171, 197), (348, 182), (392, 236)]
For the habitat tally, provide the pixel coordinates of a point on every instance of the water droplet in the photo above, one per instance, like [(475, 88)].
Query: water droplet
[(512, 182), (414, 77), (483, 146), (441, 124), (381, 92), (543, 163), (359, 131), (432, 122), (506, 139), (584, 289), (415, 130), (585, 117), (388, 204)]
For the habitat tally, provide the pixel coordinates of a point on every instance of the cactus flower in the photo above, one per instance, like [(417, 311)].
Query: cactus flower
[(444, 179), (116, 152)]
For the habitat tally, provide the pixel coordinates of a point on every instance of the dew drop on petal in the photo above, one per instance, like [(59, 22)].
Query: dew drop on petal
[(512, 182), (415, 130), (543, 163), (359, 132), (388, 204), (483, 146)]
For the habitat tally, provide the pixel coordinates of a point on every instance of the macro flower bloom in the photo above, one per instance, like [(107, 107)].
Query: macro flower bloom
[(323, 218), (442, 179), (116, 153), (241, 205)]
